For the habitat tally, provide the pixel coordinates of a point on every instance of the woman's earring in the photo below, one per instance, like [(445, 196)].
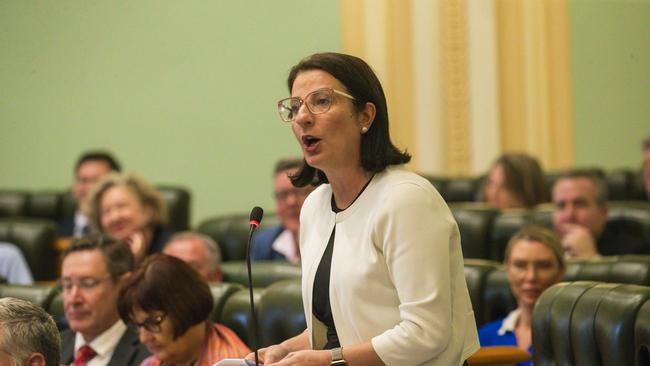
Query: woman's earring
[(364, 129)]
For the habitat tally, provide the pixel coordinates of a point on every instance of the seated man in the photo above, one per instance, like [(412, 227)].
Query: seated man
[(199, 251), (28, 335), (90, 167), (580, 219), (93, 271), (281, 242), (13, 266)]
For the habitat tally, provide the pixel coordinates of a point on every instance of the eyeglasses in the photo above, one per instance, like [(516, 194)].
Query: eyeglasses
[(85, 283), (152, 323), (318, 102)]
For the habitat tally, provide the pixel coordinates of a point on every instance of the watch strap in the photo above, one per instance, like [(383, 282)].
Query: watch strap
[(337, 357)]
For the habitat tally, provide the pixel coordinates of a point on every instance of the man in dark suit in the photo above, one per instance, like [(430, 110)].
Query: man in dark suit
[(94, 269), (90, 167), (580, 219), (281, 242)]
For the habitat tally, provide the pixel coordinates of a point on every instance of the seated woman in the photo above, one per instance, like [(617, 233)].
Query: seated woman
[(515, 181), (534, 261), (129, 208), (170, 303)]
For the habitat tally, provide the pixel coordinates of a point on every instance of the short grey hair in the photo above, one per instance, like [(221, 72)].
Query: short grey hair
[(595, 176), (214, 252), (26, 328)]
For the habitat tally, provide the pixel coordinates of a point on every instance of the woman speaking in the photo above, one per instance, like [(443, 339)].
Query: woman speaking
[(382, 268)]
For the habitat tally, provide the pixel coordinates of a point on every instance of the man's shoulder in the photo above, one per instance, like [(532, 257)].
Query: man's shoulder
[(129, 351), (67, 335)]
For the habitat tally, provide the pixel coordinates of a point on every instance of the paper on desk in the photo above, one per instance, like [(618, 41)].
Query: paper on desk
[(235, 362)]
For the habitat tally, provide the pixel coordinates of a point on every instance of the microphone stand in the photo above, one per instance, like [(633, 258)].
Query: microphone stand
[(256, 218)]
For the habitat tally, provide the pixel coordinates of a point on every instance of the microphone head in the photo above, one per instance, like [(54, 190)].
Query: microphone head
[(256, 216)]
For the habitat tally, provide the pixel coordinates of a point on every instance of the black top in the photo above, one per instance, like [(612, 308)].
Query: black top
[(623, 237), (321, 306), (159, 238)]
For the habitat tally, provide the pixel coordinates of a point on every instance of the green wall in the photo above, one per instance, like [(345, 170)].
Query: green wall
[(183, 92), (610, 44)]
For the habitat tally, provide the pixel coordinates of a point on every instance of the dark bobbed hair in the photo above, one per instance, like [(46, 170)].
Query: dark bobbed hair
[(377, 150), (524, 178), (165, 283), (117, 254), (104, 156)]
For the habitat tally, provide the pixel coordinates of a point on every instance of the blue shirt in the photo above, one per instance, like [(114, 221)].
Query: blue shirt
[(502, 333)]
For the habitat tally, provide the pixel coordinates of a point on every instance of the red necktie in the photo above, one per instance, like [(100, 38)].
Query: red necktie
[(84, 354)]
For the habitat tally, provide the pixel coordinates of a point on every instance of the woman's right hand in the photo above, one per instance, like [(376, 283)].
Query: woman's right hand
[(269, 354)]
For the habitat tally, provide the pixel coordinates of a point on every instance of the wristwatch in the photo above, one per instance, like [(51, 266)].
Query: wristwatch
[(337, 357)]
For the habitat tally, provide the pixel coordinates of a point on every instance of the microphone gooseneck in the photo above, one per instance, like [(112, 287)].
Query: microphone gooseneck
[(255, 220)]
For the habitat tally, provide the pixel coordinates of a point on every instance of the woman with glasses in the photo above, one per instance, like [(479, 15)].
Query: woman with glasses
[(170, 304), (382, 269), (534, 261)]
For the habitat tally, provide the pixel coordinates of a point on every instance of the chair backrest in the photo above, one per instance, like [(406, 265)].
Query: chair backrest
[(57, 310), (642, 335), (280, 311), (476, 274), (236, 313), (463, 189), (178, 201), (40, 295), (13, 203), (628, 269), (35, 238), (46, 205), (505, 226), (264, 273), (231, 232), (220, 293), (497, 299), (475, 225), (620, 184), (587, 323)]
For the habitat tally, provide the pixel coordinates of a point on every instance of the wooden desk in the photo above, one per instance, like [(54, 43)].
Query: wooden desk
[(498, 356)]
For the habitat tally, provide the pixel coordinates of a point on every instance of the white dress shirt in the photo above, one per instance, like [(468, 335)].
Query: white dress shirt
[(285, 245), (104, 345)]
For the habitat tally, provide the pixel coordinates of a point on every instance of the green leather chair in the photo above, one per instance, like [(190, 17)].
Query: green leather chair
[(505, 225), (46, 205), (475, 225), (220, 293), (57, 310), (13, 203), (642, 335), (35, 238), (236, 313), (264, 273), (41, 295), (476, 274), (280, 312), (231, 232), (178, 201), (587, 323)]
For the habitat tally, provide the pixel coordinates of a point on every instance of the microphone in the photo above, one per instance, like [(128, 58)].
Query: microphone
[(255, 219)]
